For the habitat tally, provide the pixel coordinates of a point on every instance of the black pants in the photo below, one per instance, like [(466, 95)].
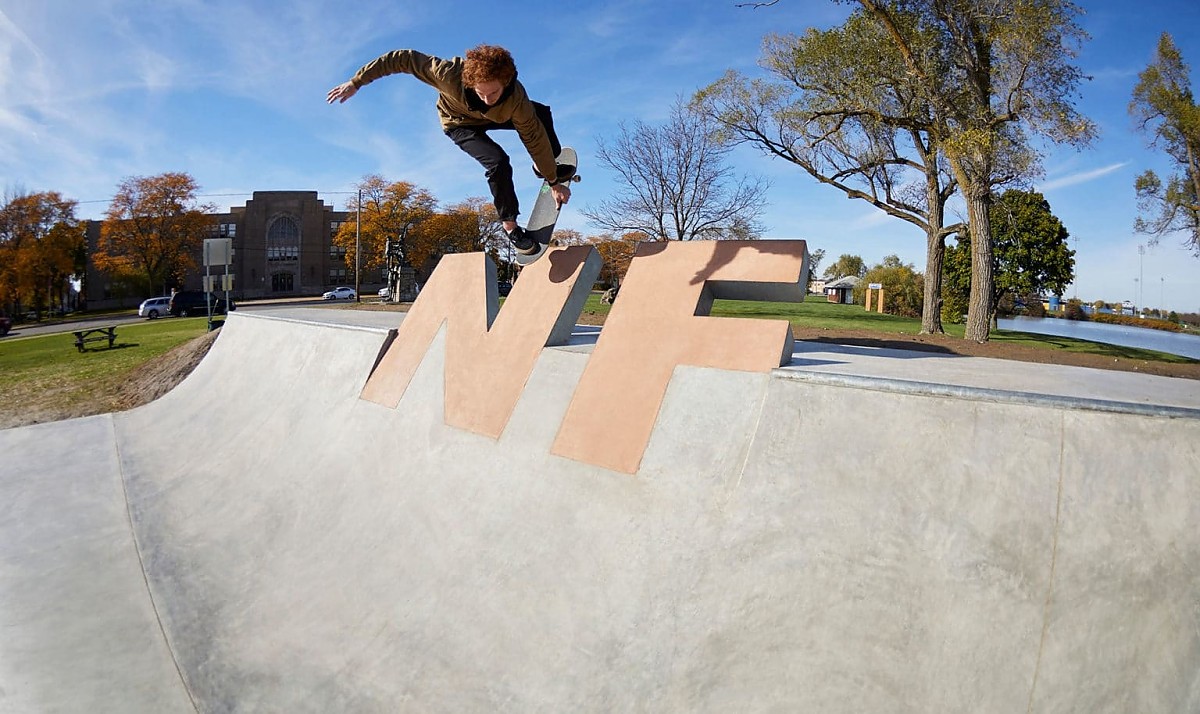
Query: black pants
[(497, 167)]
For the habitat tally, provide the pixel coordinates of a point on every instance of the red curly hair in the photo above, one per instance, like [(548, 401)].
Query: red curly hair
[(487, 63)]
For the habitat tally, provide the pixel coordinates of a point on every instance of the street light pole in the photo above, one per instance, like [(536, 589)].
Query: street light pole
[(1075, 282)]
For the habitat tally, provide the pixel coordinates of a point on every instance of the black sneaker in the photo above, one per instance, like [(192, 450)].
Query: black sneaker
[(565, 173), (522, 241)]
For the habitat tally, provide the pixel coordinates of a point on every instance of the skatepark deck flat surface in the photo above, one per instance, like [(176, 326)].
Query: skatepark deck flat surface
[(862, 530)]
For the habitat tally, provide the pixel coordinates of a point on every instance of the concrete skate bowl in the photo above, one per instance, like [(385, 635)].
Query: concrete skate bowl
[(809, 539)]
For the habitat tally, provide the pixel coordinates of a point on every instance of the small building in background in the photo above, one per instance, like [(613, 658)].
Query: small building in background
[(841, 290)]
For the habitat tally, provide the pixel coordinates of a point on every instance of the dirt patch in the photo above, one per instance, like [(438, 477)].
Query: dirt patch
[(161, 374), (945, 344)]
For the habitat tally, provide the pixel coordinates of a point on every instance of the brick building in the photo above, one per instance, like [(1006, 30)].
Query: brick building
[(282, 247)]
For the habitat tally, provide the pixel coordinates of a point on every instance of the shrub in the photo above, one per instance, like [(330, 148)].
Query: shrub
[(1034, 306), (1006, 306), (903, 287), (1131, 321), (1074, 311)]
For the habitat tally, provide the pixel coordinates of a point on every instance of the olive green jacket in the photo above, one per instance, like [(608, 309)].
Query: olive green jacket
[(459, 106)]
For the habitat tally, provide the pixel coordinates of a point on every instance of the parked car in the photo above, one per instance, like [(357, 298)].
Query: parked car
[(340, 294), (384, 293), (193, 302), (155, 307), (5, 324)]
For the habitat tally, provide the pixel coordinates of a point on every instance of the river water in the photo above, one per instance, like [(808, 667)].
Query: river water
[(1176, 343)]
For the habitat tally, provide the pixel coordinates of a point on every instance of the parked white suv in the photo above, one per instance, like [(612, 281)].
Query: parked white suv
[(154, 307)]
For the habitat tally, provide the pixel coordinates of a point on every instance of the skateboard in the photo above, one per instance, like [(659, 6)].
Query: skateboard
[(545, 211)]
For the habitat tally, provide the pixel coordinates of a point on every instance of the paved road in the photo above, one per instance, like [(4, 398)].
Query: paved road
[(31, 329), (859, 531)]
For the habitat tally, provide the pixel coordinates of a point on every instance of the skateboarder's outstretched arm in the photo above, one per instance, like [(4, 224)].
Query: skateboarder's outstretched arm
[(342, 92), (439, 73)]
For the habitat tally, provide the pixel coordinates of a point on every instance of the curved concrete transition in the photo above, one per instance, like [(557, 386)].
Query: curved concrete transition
[(859, 531)]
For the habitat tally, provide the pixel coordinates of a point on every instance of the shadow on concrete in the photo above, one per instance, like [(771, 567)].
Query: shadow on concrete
[(897, 348)]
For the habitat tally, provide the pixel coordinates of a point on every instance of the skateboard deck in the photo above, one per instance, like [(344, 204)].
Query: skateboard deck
[(545, 211)]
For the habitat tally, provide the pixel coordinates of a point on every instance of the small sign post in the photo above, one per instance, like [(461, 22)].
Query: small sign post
[(217, 251), (878, 288)]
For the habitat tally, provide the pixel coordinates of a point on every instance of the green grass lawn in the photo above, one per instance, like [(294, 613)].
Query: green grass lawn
[(48, 370)]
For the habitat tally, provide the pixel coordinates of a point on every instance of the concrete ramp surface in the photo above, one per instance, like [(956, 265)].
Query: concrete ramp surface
[(856, 532)]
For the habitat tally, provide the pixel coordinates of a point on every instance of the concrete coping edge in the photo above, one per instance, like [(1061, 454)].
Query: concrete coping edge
[(931, 389), (313, 323)]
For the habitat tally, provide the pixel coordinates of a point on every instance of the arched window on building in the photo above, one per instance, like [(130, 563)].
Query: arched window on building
[(283, 240)]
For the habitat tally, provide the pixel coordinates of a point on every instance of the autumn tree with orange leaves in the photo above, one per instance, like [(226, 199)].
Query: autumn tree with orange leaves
[(616, 253), (389, 212), (153, 232), (42, 245), (471, 225), (488, 230)]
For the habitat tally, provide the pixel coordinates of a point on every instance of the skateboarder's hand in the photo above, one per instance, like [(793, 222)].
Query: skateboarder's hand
[(562, 193), (341, 93)]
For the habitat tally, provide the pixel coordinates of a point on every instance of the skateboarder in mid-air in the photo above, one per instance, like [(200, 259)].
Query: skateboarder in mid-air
[(476, 95)]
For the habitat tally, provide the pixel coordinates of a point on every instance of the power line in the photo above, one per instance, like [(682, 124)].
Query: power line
[(228, 195)]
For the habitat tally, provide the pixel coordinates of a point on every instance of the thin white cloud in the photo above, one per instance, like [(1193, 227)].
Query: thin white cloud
[(1081, 177), (613, 20), (295, 46), (872, 218), (9, 31)]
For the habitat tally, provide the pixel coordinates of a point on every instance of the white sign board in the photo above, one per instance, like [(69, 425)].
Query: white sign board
[(218, 251), (876, 286)]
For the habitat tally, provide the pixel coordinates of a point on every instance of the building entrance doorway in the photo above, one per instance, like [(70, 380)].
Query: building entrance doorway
[(282, 282)]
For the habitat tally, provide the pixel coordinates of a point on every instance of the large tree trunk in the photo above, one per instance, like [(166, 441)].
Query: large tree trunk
[(935, 240), (979, 311), (931, 309)]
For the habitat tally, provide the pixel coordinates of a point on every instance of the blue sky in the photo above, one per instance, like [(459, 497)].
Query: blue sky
[(233, 93)]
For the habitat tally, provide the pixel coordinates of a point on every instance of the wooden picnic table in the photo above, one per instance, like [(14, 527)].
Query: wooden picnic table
[(95, 334)]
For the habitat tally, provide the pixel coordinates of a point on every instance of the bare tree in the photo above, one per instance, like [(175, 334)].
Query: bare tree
[(677, 185)]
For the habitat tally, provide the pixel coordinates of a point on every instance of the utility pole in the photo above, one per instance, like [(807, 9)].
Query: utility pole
[(357, 247), (1141, 282)]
